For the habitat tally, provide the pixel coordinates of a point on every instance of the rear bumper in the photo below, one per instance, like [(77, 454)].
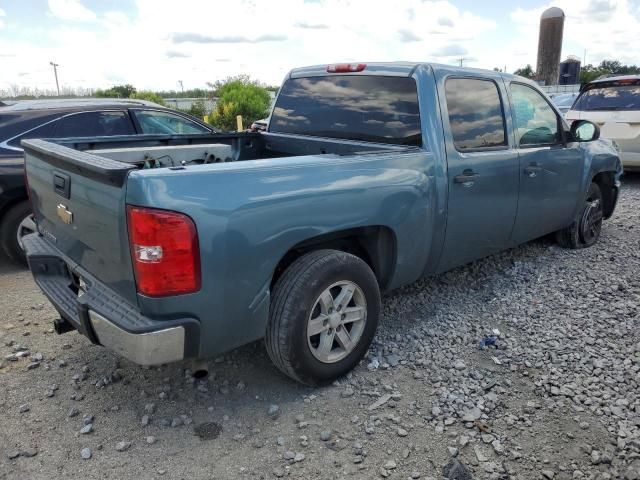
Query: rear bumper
[(102, 315)]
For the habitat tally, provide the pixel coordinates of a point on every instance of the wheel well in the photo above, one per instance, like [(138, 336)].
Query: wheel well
[(607, 183), (376, 245)]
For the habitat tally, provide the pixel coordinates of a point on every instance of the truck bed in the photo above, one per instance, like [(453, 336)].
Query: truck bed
[(153, 151)]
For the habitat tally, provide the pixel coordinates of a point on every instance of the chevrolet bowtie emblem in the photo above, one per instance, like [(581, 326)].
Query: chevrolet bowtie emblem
[(65, 215)]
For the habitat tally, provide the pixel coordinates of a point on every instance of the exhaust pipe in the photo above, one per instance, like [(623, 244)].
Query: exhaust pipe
[(60, 326), (199, 369)]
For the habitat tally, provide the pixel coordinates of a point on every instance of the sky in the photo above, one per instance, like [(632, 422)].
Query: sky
[(153, 44)]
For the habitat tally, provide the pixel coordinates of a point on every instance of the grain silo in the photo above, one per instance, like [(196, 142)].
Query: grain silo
[(550, 46)]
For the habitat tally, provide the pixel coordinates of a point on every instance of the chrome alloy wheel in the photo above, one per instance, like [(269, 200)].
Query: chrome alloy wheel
[(591, 221), (26, 226), (336, 322)]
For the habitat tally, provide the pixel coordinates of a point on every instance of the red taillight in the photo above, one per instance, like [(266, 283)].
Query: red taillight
[(346, 67), (631, 81), (164, 251)]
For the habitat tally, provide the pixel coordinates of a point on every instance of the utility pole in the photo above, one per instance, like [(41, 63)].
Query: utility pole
[(181, 86), (55, 72)]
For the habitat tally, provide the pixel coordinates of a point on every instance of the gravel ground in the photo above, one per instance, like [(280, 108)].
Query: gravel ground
[(556, 397)]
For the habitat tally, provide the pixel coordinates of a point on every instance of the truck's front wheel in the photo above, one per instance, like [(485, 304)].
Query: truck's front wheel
[(324, 313), (585, 229)]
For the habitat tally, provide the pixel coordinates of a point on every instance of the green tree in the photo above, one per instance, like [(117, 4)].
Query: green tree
[(198, 109), (149, 96), (589, 73), (526, 72), (238, 96), (124, 91), (119, 91)]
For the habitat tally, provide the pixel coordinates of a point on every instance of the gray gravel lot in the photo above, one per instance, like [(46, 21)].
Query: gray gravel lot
[(557, 397)]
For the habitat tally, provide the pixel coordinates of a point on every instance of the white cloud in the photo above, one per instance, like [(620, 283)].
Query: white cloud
[(155, 44), (2, 14), (115, 19), (604, 28), (72, 10)]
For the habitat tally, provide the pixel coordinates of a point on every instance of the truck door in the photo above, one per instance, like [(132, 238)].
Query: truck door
[(550, 169), (482, 168)]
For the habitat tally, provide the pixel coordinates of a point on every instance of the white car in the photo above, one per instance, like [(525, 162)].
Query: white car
[(614, 105)]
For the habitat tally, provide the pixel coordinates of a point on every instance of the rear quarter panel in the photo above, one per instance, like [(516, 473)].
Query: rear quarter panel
[(249, 214)]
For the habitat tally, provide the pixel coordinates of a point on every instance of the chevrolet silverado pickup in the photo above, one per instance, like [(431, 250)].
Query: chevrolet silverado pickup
[(368, 177)]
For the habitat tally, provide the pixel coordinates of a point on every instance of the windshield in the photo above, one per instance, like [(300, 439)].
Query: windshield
[(614, 97), (367, 108)]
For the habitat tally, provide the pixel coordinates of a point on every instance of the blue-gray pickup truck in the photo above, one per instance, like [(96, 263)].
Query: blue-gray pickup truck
[(368, 177)]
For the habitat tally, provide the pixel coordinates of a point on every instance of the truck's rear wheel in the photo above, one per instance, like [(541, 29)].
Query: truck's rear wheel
[(586, 227), (324, 313), (16, 223)]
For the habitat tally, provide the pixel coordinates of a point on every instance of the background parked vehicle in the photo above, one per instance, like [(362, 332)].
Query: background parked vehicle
[(68, 118), (614, 105), (369, 177), (564, 101)]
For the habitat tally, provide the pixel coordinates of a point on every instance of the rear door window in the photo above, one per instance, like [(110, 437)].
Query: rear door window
[(356, 107), (614, 97), (475, 114), (43, 131), (94, 124), (159, 122)]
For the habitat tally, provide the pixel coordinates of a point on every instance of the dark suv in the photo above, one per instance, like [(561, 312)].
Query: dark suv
[(68, 118)]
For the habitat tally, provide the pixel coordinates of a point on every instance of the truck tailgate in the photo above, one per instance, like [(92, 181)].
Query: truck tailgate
[(79, 202)]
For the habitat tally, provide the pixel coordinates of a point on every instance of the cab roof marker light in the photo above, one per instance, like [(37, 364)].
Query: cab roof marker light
[(346, 67)]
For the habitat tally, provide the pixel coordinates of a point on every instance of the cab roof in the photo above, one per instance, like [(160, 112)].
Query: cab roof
[(397, 69)]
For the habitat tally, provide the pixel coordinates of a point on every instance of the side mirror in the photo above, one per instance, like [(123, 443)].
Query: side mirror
[(585, 131)]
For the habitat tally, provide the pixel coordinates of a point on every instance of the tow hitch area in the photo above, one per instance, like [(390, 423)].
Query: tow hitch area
[(60, 325)]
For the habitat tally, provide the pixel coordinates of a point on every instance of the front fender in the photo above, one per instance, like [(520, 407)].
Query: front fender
[(601, 155)]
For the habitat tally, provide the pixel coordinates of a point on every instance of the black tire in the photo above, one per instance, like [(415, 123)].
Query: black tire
[(9, 230), (295, 295), (585, 230)]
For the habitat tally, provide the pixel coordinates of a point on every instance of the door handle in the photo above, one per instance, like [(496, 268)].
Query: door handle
[(532, 170), (467, 177)]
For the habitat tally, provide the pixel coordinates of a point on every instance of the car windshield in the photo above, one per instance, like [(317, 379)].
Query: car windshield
[(612, 97), (366, 108)]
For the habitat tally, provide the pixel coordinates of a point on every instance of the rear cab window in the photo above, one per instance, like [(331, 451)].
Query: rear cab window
[(613, 96), (368, 108)]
